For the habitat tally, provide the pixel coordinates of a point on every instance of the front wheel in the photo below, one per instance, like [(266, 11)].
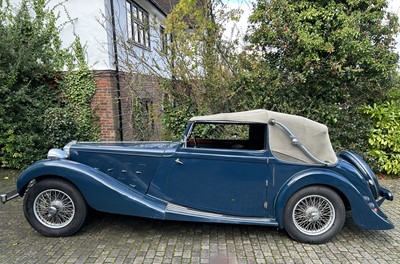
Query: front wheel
[(54, 207), (314, 215)]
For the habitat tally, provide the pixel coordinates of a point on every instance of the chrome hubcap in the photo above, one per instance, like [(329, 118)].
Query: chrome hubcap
[(313, 215), (54, 208)]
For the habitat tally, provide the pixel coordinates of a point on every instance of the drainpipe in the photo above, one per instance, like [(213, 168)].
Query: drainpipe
[(116, 63)]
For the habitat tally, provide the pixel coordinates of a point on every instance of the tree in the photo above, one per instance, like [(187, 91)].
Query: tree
[(191, 61), (202, 63), (30, 58), (321, 59), (31, 63)]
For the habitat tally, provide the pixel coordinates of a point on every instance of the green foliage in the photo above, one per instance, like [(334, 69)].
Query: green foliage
[(202, 64), (30, 56), (177, 111), (384, 139), (34, 114), (73, 117), (143, 121), (322, 60)]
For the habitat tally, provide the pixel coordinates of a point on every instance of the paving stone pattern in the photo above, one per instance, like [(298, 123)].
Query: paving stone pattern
[(108, 238)]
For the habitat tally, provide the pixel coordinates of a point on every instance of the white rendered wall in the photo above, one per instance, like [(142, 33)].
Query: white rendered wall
[(91, 21), (88, 23), (147, 57)]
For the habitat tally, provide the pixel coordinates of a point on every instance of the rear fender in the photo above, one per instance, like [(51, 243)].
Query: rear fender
[(101, 191), (362, 214)]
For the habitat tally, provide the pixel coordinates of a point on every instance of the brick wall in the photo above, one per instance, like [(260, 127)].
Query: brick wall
[(105, 103), (147, 89)]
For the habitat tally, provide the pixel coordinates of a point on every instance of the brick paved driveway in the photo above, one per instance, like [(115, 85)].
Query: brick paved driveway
[(110, 238)]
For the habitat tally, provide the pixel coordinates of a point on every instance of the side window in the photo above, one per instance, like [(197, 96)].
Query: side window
[(227, 136)]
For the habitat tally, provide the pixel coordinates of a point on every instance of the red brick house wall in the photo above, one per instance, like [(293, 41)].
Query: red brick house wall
[(104, 102)]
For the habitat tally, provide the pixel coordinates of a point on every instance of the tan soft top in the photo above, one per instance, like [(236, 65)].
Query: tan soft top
[(312, 135)]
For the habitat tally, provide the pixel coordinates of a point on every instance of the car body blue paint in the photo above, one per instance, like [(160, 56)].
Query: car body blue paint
[(201, 181), (208, 185), (101, 191), (361, 212)]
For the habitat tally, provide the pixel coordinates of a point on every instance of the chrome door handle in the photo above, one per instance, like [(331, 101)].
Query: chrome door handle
[(178, 161)]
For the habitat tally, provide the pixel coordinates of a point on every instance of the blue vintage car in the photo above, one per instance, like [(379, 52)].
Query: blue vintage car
[(256, 167)]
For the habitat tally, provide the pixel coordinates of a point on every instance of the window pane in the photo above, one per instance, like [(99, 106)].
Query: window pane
[(143, 36), (140, 34), (222, 131), (129, 21), (134, 11), (136, 32), (140, 16), (148, 39), (163, 38)]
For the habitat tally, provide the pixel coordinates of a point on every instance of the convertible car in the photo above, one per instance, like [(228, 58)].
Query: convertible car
[(257, 167)]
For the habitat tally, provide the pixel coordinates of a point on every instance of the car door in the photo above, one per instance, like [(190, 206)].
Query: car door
[(213, 178)]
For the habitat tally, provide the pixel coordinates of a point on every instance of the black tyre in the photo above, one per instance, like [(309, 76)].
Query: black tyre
[(55, 208), (314, 215)]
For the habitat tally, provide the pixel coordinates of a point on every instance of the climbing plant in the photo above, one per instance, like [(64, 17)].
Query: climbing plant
[(33, 105), (73, 117)]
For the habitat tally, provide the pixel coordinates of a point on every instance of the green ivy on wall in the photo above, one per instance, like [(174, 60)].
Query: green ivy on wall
[(74, 119), (41, 105)]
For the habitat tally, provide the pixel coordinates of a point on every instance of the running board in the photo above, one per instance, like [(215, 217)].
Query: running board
[(181, 213)]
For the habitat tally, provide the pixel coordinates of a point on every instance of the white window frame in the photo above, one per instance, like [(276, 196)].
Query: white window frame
[(138, 24)]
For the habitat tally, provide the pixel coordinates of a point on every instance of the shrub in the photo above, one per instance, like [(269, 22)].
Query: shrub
[(384, 139), (38, 112)]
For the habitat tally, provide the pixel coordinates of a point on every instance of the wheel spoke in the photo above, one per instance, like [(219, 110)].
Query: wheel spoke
[(54, 208), (313, 215)]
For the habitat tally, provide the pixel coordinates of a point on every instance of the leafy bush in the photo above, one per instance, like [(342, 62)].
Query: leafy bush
[(384, 140), (30, 57), (78, 87), (322, 60), (35, 115), (177, 111)]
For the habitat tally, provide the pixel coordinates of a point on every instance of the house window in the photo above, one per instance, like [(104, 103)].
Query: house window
[(138, 24), (164, 40)]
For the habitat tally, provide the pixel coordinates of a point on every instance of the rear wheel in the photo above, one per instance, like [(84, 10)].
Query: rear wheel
[(54, 207), (314, 215)]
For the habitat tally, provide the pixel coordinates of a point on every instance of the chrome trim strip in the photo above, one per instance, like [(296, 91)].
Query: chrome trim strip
[(127, 152), (68, 146), (114, 142), (178, 209), (261, 158)]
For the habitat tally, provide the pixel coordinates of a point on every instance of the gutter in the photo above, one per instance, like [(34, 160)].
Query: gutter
[(158, 7), (116, 63)]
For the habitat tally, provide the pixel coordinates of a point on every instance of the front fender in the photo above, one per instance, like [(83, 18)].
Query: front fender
[(101, 191), (362, 214)]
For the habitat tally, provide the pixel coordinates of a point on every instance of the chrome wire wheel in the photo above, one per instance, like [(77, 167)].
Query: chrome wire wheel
[(54, 208), (313, 215)]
